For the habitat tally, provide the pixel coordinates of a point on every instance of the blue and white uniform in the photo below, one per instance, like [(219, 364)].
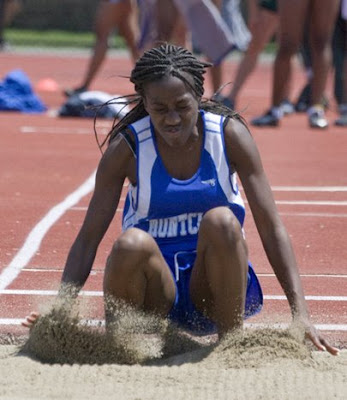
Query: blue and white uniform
[(171, 210)]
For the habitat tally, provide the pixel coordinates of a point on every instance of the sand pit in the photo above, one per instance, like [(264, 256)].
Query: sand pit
[(146, 359)]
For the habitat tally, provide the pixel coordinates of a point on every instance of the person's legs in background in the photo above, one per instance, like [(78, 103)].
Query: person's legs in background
[(340, 50), (322, 20), (263, 27), (8, 10), (292, 16), (110, 15)]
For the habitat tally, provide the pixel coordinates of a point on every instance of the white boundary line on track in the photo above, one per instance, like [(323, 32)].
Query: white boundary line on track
[(63, 130), (99, 322), (312, 202), (313, 214), (265, 275), (92, 293), (309, 188), (33, 240)]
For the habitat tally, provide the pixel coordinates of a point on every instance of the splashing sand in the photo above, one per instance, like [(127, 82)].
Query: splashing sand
[(144, 357), (134, 337)]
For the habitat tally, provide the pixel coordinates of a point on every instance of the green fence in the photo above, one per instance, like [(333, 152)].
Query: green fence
[(67, 15)]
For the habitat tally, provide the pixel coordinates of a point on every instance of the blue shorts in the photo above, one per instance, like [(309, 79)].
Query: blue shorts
[(184, 312)]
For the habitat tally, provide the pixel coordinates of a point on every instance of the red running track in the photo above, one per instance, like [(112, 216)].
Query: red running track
[(45, 160)]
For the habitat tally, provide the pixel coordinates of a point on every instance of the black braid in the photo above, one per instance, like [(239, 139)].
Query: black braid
[(156, 63)]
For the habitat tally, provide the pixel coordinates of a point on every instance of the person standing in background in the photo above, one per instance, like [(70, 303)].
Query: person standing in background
[(293, 15), (340, 53), (111, 14), (263, 22)]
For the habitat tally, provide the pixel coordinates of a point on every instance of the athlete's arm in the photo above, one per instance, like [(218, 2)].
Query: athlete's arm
[(111, 173), (116, 164), (245, 159)]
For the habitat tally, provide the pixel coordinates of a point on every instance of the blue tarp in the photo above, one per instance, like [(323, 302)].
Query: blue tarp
[(16, 94)]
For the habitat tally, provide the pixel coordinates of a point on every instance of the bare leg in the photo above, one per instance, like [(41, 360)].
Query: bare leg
[(217, 70), (262, 30), (171, 24), (137, 273), (219, 276), (109, 16), (127, 26), (292, 15), (323, 17), (342, 121), (216, 77)]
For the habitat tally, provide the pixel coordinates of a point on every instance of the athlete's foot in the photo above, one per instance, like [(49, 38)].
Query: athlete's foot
[(73, 92), (270, 118), (316, 117), (225, 101)]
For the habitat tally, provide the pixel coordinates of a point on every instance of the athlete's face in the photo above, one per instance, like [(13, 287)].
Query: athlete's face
[(173, 108)]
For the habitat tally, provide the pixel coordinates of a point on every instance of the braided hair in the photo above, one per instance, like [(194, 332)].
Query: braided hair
[(157, 63)]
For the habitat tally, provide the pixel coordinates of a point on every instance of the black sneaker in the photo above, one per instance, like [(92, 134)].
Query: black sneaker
[(224, 100), (268, 119), (317, 119), (342, 121), (73, 92), (304, 100)]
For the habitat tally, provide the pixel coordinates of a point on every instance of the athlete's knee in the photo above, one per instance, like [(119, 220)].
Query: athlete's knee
[(220, 224), (131, 250), (133, 241)]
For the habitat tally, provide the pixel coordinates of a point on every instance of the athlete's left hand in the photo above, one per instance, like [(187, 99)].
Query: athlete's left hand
[(315, 337)]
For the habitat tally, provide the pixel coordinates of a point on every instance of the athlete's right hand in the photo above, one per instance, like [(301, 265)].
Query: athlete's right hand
[(30, 320)]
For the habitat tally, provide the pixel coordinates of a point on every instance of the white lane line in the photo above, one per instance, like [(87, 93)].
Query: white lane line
[(314, 214), (119, 209), (23, 292), (100, 322), (312, 298), (321, 327), (265, 275), (312, 202), (92, 293), (284, 202), (309, 188), (33, 241), (307, 275), (62, 130)]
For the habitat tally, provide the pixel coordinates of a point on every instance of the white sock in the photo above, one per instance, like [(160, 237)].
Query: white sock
[(316, 108)]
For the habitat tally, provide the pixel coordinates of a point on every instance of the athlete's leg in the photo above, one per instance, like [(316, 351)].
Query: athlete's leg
[(219, 277), (137, 273)]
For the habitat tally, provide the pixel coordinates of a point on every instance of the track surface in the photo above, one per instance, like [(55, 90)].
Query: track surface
[(46, 175)]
